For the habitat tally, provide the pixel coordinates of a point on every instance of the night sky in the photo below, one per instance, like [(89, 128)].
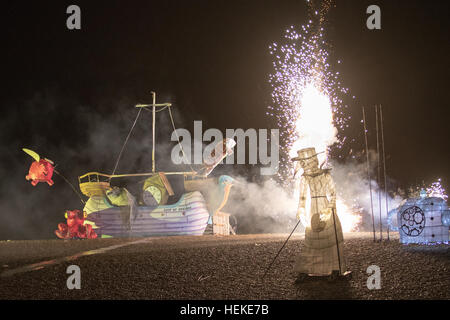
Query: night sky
[(63, 88)]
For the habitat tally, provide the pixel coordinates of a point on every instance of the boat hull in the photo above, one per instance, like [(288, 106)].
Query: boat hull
[(189, 216)]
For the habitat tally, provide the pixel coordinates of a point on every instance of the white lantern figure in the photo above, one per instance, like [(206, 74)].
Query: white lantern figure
[(323, 253)]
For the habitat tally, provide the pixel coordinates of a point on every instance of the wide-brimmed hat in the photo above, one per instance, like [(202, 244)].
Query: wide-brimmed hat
[(306, 153)]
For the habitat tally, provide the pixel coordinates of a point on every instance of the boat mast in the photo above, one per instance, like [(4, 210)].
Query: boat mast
[(154, 105), (113, 175)]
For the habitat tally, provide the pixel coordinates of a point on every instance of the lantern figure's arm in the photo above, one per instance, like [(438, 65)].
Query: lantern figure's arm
[(331, 191), (303, 192), (301, 210)]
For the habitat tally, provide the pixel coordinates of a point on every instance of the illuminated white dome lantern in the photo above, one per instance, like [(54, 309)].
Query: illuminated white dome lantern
[(422, 220)]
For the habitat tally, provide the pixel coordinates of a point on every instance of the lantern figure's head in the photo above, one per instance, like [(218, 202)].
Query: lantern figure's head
[(308, 159)]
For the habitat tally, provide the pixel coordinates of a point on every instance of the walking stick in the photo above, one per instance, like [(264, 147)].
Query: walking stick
[(268, 268), (337, 243)]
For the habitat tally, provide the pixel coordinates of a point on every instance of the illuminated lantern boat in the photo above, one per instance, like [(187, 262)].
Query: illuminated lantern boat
[(188, 216), (423, 220), (115, 212)]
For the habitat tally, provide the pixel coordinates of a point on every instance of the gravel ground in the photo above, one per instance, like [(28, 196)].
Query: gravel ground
[(212, 267)]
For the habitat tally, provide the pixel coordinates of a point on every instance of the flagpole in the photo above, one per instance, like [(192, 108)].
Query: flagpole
[(379, 173), (384, 168), (368, 172)]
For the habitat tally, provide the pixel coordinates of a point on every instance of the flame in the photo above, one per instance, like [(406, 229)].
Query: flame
[(314, 125)]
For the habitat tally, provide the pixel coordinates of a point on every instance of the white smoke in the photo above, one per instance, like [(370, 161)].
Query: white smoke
[(269, 207), (352, 186), (262, 207)]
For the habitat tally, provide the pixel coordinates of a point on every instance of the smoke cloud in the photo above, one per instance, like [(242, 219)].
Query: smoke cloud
[(269, 207), (352, 186), (262, 207)]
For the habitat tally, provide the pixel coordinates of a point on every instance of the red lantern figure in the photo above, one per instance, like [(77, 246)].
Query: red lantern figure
[(75, 227), (41, 170)]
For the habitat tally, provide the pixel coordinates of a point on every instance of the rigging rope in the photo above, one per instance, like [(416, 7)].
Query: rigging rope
[(134, 124), (71, 185), (126, 140), (178, 139)]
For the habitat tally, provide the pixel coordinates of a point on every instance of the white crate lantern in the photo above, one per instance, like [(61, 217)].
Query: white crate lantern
[(423, 220), (221, 223)]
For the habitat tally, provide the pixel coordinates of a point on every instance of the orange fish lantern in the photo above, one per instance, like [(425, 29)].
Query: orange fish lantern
[(41, 170)]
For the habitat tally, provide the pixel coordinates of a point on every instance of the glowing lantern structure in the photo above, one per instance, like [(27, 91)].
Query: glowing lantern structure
[(41, 170), (75, 227), (424, 220), (323, 253)]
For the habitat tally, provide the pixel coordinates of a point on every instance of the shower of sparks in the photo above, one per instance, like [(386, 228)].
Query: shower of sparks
[(306, 99), (350, 217), (306, 93), (436, 190)]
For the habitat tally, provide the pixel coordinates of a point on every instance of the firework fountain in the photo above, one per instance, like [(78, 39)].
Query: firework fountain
[(436, 190), (306, 101)]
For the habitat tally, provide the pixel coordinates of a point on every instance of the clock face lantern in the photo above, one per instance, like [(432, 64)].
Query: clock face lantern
[(152, 196), (422, 220), (155, 191), (412, 221)]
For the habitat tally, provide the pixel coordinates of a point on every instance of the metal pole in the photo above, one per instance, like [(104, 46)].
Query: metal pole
[(384, 169), (379, 173), (153, 149), (270, 265), (368, 173)]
